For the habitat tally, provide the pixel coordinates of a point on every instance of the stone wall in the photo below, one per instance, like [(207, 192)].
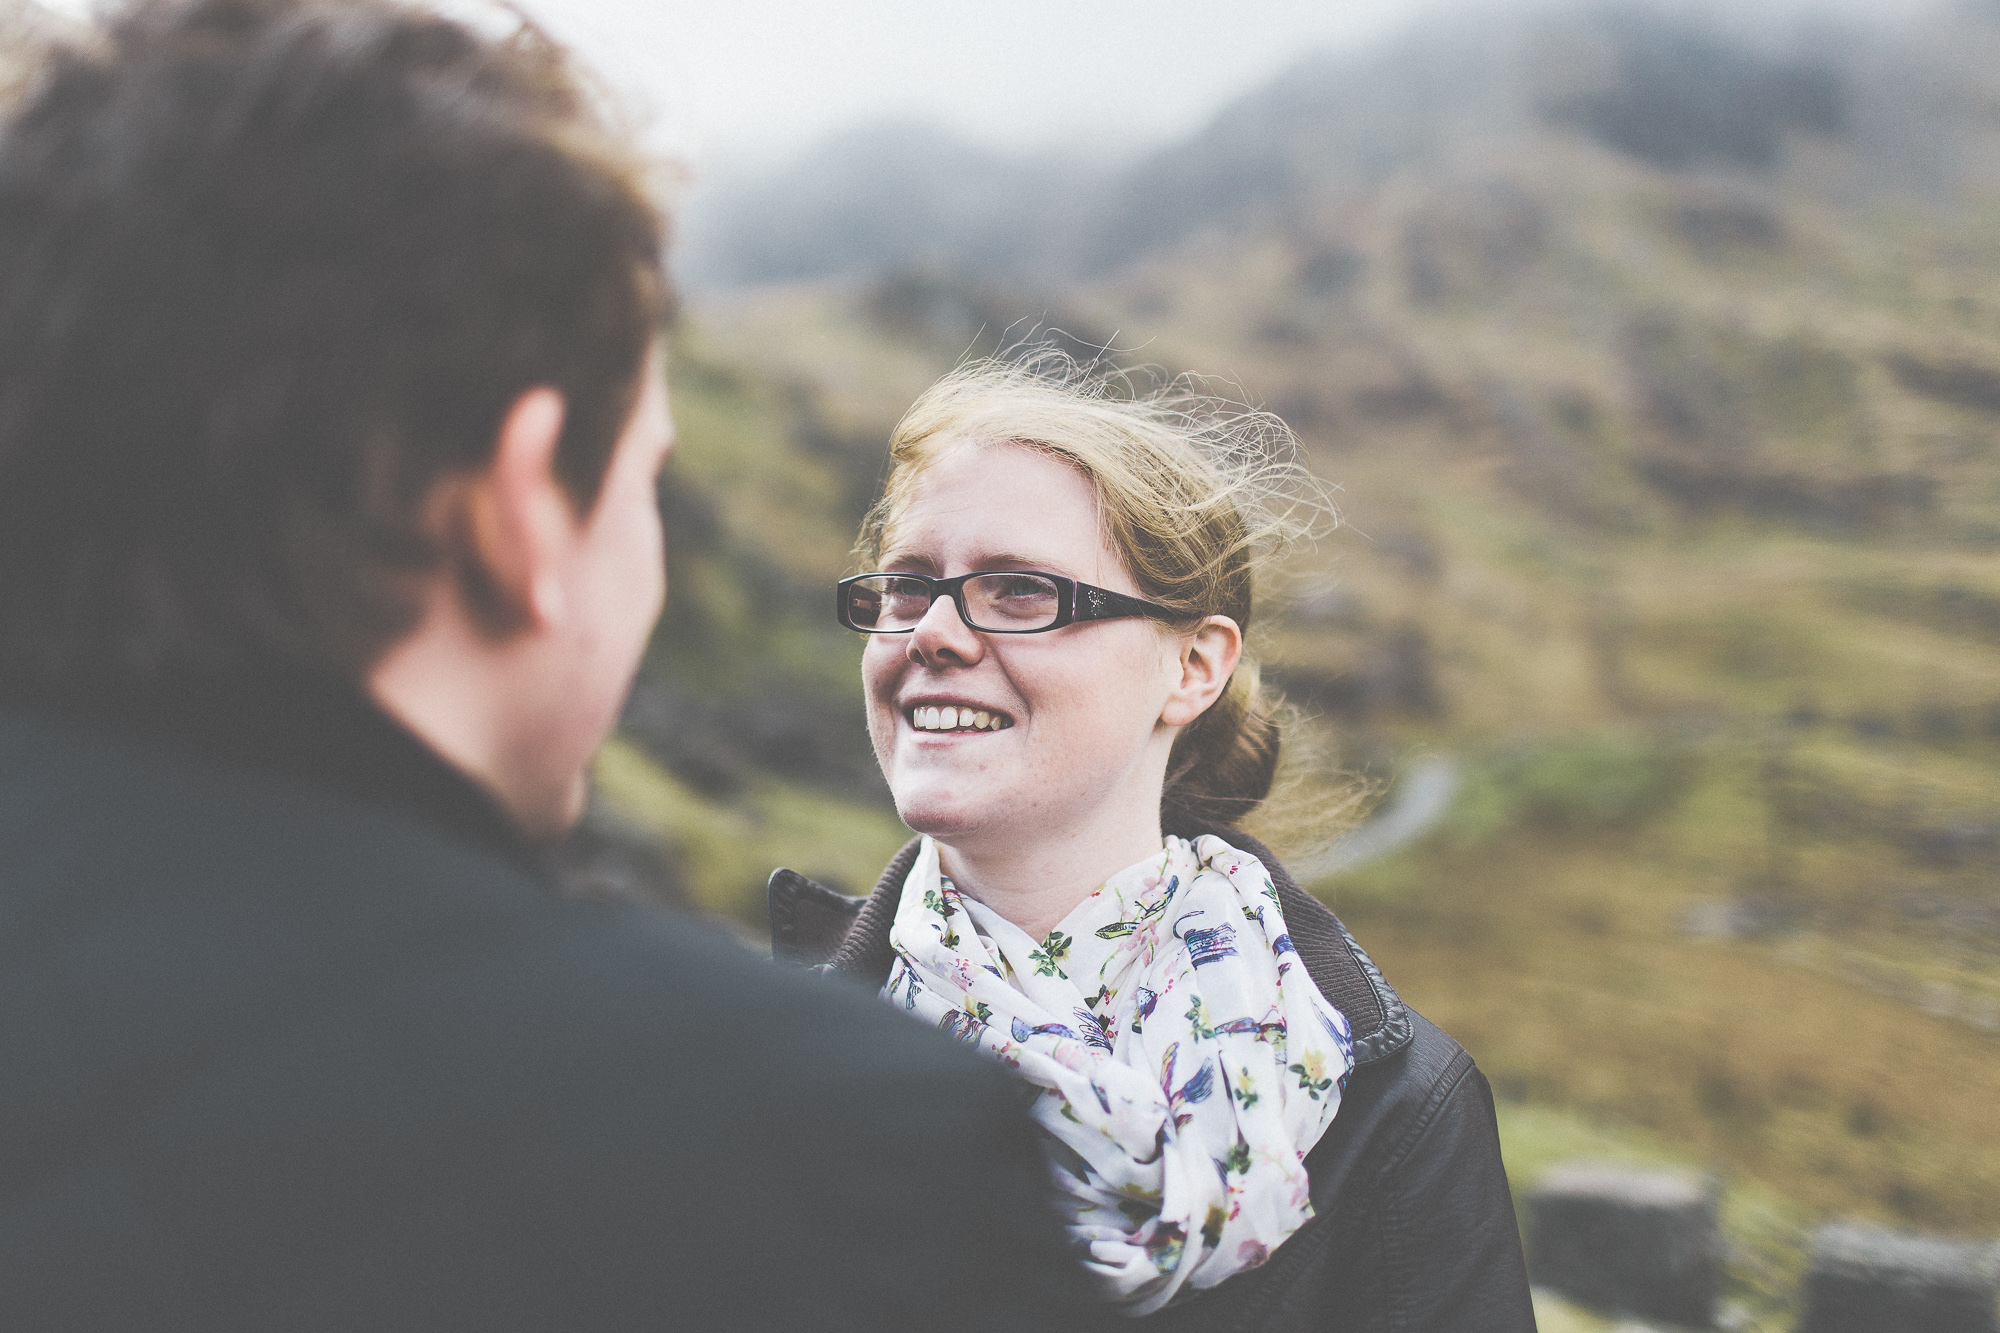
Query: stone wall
[(1647, 1245)]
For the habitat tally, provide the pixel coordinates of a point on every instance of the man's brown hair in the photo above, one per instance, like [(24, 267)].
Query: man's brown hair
[(268, 270)]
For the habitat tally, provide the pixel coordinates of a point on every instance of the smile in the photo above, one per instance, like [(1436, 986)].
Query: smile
[(963, 718)]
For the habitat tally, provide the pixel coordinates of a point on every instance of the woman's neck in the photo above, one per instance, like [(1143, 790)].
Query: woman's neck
[(1036, 882)]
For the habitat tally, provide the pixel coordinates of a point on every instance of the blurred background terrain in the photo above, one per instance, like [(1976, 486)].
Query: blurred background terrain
[(1659, 366)]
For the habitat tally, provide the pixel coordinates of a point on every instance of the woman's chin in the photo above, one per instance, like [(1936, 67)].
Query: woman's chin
[(945, 816)]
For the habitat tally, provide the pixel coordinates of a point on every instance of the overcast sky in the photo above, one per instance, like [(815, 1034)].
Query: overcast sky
[(730, 83), (759, 77), (744, 79)]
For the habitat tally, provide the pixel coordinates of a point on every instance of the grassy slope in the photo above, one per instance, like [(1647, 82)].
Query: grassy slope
[(730, 847), (1558, 962)]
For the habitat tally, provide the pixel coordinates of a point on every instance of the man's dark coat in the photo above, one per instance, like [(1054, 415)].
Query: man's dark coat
[(293, 1037), (1414, 1225)]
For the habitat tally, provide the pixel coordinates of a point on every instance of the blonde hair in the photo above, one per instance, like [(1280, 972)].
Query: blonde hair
[(1194, 493)]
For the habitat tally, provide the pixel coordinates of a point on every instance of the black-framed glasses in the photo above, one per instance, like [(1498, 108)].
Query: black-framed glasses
[(993, 601)]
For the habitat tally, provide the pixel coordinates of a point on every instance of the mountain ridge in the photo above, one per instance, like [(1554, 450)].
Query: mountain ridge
[(1676, 92)]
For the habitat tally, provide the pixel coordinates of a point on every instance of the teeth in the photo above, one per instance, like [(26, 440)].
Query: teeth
[(954, 718)]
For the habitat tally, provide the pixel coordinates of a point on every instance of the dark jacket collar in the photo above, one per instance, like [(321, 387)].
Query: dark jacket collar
[(311, 728), (813, 925)]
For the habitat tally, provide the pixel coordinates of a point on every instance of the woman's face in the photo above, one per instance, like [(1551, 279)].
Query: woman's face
[(1073, 730)]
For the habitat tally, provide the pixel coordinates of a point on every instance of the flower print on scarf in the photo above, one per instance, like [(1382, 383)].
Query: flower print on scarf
[(1187, 1064), (1047, 956)]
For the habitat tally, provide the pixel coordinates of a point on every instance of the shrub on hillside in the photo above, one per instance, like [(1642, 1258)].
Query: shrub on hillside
[(1568, 783)]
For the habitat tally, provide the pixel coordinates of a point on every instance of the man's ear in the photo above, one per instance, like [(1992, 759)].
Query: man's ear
[(1208, 658), (516, 519)]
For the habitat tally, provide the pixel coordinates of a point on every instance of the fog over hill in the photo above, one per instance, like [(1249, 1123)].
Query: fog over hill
[(1844, 109)]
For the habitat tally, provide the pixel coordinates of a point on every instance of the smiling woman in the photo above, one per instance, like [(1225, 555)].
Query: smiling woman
[(1089, 711), (1246, 1127)]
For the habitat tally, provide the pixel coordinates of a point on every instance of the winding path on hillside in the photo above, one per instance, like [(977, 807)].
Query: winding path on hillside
[(1414, 808)]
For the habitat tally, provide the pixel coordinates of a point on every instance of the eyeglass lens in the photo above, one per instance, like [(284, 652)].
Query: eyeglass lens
[(1003, 602)]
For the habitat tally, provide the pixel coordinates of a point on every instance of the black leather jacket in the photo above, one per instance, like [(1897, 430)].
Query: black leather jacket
[(1414, 1226)]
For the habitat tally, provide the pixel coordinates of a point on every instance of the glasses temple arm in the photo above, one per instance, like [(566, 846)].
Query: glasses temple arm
[(1103, 604)]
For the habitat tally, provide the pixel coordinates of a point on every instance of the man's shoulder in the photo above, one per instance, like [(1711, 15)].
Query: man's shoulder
[(114, 813), (251, 1034), (161, 907)]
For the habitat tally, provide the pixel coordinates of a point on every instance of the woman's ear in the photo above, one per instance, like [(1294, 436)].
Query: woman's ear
[(1208, 657)]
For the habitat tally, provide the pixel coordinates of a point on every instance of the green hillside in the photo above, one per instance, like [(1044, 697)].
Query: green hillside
[(1671, 488)]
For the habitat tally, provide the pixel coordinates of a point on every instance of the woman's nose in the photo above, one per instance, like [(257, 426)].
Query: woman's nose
[(942, 635)]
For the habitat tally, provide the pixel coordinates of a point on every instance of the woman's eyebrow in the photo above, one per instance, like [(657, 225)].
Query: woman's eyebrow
[(923, 564), (1008, 560), (909, 562)]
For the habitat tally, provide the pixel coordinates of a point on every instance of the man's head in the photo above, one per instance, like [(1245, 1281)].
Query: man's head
[(277, 279)]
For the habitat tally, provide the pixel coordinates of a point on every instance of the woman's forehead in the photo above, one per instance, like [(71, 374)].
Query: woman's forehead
[(994, 483), (978, 498)]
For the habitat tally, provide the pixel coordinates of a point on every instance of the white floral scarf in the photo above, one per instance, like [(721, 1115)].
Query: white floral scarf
[(1188, 1062)]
